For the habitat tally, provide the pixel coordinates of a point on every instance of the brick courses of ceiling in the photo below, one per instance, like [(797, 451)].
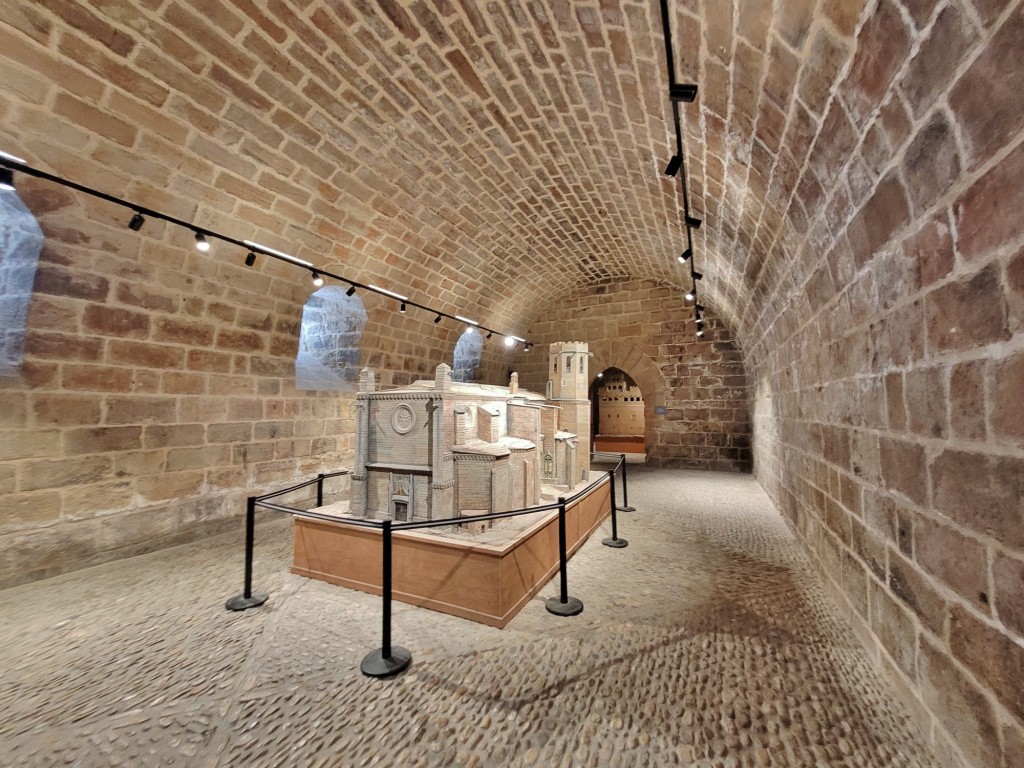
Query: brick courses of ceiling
[(857, 164)]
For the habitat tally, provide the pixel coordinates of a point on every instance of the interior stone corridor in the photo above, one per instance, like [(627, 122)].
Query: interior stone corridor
[(709, 641)]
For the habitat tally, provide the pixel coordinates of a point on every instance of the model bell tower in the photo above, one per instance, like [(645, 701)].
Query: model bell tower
[(568, 385)]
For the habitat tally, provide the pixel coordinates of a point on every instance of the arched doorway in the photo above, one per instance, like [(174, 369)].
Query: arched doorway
[(617, 414)]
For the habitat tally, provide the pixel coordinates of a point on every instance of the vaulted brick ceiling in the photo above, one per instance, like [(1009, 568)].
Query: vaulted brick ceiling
[(492, 156), (517, 147)]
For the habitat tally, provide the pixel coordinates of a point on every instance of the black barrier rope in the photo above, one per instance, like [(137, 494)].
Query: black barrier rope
[(391, 659)]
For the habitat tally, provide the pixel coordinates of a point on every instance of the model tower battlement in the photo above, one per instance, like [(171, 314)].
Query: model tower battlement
[(568, 386)]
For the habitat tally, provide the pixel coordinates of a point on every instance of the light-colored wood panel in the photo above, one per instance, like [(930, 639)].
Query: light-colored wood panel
[(483, 583)]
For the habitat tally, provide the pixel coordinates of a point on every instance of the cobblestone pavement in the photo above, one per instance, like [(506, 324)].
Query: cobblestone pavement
[(706, 642)]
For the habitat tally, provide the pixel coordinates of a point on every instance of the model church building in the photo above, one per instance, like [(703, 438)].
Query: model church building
[(442, 449)]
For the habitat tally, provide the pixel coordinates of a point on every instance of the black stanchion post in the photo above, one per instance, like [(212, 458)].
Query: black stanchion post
[(614, 541), (386, 660), (320, 489), (247, 599), (625, 488), (563, 605)]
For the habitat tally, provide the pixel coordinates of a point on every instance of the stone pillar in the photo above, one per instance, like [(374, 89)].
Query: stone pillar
[(367, 385), (442, 427)]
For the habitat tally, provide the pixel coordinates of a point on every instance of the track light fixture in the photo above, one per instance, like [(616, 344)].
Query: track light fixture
[(527, 347), (278, 254), (691, 294), (698, 308), (685, 92), (401, 308), (673, 165), (9, 164), (700, 332), (699, 321), (693, 223), (697, 275), (685, 255)]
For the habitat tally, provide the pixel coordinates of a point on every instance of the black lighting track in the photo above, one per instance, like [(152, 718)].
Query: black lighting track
[(680, 92), (17, 166)]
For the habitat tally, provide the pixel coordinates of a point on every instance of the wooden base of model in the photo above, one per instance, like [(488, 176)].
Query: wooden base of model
[(483, 583)]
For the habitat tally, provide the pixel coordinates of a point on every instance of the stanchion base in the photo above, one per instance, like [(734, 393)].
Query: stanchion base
[(617, 543), (375, 665), (626, 509), (241, 602), (573, 607)]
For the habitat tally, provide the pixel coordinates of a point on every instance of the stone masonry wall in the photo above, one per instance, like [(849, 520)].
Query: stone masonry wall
[(157, 389), (886, 356), (638, 326)]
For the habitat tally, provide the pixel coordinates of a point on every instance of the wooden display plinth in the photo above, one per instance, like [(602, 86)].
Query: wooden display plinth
[(488, 584), (620, 443)]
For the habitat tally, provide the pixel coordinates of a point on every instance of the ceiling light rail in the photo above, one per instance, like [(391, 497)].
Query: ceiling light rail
[(681, 93), (11, 164)]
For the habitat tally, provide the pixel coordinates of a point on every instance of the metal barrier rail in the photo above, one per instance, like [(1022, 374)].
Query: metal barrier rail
[(390, 659)]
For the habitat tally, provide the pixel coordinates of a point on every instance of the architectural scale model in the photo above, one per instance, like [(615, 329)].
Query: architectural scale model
[(442, 449), (621, 407)]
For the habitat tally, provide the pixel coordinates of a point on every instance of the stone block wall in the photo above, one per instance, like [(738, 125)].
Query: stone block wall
[(640, 327), (886, 357), (157, 388)]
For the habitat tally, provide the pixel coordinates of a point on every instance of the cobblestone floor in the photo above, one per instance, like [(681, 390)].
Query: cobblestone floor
[(707, 642)]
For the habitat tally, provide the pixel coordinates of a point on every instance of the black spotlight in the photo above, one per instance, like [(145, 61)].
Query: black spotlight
[(137, 221), (351, 290), (682, 92), (699, 308), (685, 255), (673, 165), (402, 308), (250, 258), (698, 275), (489, 334), (693, 223), (527, 347), (437, 320), (6, 179)]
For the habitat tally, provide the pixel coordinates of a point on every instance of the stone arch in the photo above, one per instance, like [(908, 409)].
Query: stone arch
[(649, 379), (466, 358), (21, 241), (328, 357)]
